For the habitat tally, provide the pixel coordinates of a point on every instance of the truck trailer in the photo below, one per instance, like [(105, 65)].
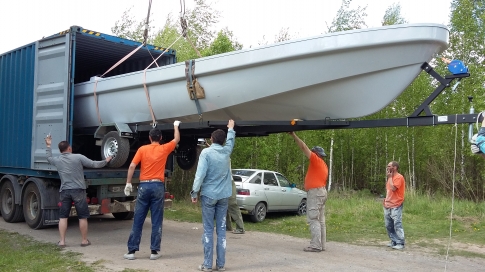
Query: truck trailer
[(37, 98)]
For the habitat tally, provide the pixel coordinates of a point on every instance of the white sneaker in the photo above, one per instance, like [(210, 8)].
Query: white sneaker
[(155, 256), (129, 256), (398, 247), (203, 268)]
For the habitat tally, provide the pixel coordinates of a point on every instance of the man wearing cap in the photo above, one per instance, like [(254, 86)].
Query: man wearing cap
[(315, 182), (151, 191)]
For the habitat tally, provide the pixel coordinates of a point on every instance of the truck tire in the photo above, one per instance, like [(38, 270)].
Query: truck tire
[(117, 147), (186, 156), (31, 203), (124, 215), (259, 213), (11, 212)]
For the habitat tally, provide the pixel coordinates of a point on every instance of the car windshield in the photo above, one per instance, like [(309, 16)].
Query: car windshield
[(244, 173)]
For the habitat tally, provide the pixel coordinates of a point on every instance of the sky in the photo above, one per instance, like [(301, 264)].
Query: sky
[(251, 21)]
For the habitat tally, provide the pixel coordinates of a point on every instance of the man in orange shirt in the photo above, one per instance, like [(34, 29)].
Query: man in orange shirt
[(151, 191), (395, 187), (315, 182)]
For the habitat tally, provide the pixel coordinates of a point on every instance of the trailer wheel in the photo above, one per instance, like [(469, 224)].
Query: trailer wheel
[(11, 212), (115, 146), (31, 203), (186, 156), (124, 215)]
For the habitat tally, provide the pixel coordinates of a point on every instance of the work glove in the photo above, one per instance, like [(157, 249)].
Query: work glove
[(128, 189), (176, 123), (475, 149)]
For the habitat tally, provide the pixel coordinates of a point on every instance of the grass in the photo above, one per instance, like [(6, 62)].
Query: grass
[(20, 253), (357, 218)]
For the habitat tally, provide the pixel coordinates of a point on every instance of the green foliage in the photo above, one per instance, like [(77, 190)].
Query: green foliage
[(20, 253), (223, 43), (393, 15), (129, 28), (348, 19)]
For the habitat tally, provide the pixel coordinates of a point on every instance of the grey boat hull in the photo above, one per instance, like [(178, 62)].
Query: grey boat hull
[(339, 75)]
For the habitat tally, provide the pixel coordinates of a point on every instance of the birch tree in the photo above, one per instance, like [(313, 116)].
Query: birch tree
[(345, 19), (393, 16), (348, 18)]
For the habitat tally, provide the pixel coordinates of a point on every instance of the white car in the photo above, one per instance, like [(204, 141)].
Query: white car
[(262, 191)]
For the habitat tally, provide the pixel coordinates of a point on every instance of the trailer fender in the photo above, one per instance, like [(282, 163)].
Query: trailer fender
[(48, 190), (123, 131), (16, 186)]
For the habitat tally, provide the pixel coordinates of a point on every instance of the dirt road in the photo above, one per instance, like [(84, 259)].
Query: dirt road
[(253, 251)]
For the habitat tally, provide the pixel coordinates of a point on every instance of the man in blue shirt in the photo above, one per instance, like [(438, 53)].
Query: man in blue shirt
[(478, 140), (213, 180)]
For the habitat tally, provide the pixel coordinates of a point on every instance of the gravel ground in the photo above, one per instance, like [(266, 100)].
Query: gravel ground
[(253, 251)]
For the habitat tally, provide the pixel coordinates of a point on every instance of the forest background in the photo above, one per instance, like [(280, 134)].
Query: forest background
[(433, 160)]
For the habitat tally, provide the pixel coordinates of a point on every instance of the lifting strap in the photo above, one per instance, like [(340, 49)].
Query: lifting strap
[(196, 91), (184, 26), (145, 35), (150, 108), (109, 70)]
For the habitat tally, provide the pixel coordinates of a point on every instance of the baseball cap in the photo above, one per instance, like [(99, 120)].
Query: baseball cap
[(319, 151)]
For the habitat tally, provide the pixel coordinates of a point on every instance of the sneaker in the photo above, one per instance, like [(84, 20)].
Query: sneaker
[(398, 247), (311, 249), (221, 269), (129, 256), (238, 231), (203, 268), (390, 244), (155, 256)]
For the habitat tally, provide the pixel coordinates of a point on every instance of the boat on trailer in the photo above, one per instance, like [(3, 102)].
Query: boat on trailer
[(337, 75)]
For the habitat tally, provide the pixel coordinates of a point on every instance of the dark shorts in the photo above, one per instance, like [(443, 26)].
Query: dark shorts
[(78, 196)]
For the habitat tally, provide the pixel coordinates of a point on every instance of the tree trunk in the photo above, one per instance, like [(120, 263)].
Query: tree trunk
[(352, 180), (342, 164), (330, 168)]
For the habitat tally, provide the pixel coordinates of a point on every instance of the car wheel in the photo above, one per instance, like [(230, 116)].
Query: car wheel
[(259, 213), (302, 207)]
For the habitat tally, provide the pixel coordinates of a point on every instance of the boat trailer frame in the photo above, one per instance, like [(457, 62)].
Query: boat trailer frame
[(265, 128)]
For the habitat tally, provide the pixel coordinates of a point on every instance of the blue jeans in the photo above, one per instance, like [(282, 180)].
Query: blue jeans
[(214, 209), (151, 195), (393, 221)]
